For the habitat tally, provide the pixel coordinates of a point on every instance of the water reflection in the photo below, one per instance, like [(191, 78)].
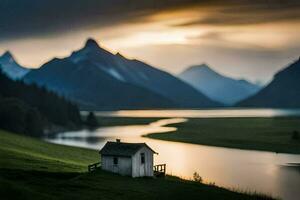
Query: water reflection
[(288, 177), (247, 170), (208, 113)]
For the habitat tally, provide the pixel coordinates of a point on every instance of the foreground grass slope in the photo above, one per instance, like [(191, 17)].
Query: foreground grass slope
[(32, 169), (269, 134)]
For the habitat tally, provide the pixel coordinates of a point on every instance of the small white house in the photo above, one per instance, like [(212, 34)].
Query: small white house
[(132, 159)]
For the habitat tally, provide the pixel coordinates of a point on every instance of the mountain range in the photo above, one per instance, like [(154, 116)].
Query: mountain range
[(97, 79), (282, 92), (216, 86), (11, 68)]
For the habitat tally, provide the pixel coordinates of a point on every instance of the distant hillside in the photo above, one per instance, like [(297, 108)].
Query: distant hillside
[(282, 92), (216, 86), (11, 68), (97, 79), (31, 110)]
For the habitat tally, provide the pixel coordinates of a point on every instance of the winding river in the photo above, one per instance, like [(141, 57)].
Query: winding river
[(259, 171)]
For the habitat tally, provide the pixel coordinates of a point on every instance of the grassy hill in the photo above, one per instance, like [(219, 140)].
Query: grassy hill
[(33, 169)]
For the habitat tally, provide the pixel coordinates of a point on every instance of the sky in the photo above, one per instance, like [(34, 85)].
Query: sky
[(250, 39)]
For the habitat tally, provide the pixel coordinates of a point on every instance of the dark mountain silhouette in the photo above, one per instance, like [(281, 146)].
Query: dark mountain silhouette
[(216, 86), (98, 79), (11, 68), (282, 92), (92, 89)]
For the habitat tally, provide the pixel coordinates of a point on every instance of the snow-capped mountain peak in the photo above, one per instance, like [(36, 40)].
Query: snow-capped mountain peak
[(11, 68)]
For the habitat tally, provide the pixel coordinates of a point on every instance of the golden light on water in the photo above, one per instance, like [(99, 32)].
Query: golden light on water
[(232, 168)]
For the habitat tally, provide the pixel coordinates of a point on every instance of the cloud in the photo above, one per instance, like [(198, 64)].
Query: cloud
[(248, 13), (29, 18), (249, 38), (32, 18)]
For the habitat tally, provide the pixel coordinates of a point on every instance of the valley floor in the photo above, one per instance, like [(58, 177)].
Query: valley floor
[(33, 169), (123, 121), (268, 134)]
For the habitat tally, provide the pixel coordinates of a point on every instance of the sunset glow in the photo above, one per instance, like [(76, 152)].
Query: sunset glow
[(200, 29)]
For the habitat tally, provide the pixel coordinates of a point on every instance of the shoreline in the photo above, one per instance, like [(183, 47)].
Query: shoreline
[(222, 132), (270, 134)]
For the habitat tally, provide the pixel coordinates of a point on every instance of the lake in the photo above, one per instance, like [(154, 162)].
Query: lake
[(260, 171), (207, 113)]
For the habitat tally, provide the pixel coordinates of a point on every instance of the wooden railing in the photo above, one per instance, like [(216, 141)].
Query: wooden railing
[(94, 166), (159, 170)]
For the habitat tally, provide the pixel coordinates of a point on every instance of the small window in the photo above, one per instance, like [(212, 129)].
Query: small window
[(142, 158), (116, 160)]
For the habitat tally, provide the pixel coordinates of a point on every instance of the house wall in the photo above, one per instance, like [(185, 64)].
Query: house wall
[(139, 169), (124, 166)]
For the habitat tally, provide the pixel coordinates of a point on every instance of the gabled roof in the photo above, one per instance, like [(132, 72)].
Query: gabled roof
[(122, 149)]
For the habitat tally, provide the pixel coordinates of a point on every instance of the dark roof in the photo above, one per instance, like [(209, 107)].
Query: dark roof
[(122, 149)]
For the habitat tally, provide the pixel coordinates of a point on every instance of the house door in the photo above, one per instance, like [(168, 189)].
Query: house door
[(115, 164), (142, 164)]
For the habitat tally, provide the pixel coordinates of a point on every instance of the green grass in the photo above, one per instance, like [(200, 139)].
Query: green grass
[(32, 154), (269, 134), (33, 169)]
